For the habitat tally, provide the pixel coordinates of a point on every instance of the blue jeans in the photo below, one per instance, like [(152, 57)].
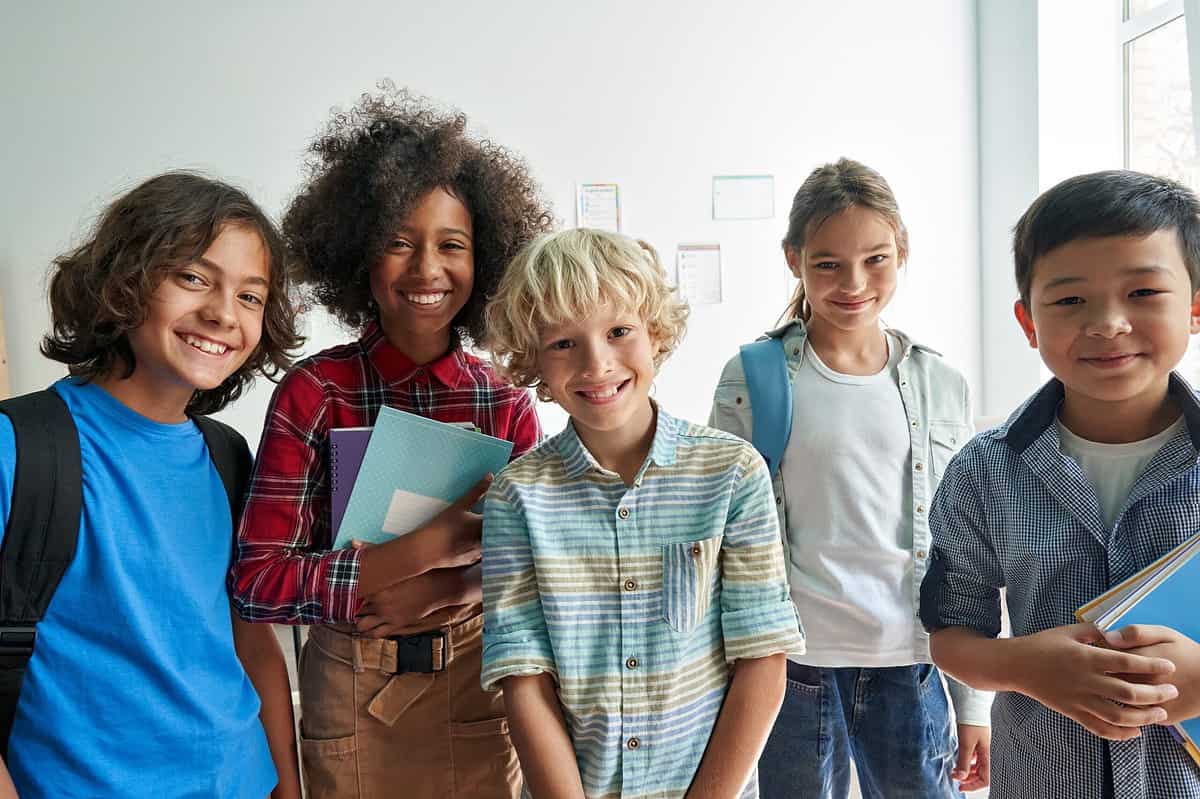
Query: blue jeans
[(894, 722)]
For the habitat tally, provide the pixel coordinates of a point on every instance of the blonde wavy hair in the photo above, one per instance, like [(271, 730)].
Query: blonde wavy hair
[(564, 276)]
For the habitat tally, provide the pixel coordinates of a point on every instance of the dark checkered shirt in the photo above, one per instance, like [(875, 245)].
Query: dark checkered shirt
[(1013, 511), (284, 570)]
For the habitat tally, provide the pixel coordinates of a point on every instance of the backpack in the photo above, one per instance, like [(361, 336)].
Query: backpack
[(765, 365), (43, 522)]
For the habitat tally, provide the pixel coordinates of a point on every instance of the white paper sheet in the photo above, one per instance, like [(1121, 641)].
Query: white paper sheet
[(408, 511), (598, 205), (698, 273), (743, 196)]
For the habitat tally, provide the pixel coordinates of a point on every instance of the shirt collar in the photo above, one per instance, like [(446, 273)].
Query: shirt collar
[(396, 367), (794, 333), (1030, 420), (579, 461)]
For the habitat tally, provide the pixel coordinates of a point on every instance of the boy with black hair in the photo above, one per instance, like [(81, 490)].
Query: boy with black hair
[(1092, 479), (134, 687)]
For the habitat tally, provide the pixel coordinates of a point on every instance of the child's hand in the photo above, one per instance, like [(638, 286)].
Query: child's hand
[(973, 768), (1059, 668), (462, 528), (1153, 641), (417, 604)]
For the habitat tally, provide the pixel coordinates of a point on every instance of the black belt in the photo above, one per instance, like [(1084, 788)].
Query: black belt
[(422, 653)]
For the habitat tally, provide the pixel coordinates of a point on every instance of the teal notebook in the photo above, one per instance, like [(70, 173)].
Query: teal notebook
[(413, 469), (1167, 592)]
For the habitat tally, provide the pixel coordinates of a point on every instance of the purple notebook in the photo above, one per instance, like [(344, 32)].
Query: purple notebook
[(347, 445)]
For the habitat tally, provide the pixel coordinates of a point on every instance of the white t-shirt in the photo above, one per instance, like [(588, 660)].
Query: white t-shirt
[(848, 482), (1113, 468)]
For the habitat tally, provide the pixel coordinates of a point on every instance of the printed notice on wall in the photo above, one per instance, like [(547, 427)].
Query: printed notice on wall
[(698, 273), (743, 196), (598, 205)]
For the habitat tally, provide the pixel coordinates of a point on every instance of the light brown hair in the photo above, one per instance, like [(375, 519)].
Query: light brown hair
[(826, 192)]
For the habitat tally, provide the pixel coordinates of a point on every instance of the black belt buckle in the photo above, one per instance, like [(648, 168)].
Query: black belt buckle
[(414, 653), (17, 641)]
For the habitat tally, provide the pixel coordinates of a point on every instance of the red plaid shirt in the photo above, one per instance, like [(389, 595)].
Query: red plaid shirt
[(284, 570)]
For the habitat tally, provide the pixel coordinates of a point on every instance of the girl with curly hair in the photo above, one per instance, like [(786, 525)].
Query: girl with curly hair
[(403, 230)]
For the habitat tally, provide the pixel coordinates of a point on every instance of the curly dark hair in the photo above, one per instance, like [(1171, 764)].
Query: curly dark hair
[(101, 290), (368, 170)]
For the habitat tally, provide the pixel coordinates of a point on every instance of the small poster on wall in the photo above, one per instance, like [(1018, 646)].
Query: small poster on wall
[(598, 205), (698, 273), (743, 196)]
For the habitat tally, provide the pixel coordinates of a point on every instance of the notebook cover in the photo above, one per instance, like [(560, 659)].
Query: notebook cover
[(347, 445), (412, 468), (1174, 604)]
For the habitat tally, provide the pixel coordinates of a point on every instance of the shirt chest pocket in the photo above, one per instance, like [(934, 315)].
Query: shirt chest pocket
[(689, 578), (945, 440)]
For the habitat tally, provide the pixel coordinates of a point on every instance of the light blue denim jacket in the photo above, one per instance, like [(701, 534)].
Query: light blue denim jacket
[(938, 407)]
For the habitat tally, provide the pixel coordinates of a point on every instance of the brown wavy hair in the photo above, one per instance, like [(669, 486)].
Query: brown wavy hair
[(827, 191), (101, 290), (371, 166)]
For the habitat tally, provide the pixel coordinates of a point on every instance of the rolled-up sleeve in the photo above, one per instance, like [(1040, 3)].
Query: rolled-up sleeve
[(758, 617), (962, 585), (515, 639)]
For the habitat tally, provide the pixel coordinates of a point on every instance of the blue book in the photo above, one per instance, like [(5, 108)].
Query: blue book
[(413, 469), (1167, 593)]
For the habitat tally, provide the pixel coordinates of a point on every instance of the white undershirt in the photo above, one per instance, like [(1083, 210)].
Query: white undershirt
[(846, 472), (1113, 468)]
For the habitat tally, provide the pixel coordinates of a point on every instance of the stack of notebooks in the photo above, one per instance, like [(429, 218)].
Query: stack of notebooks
[(389, 480), (1167, 592)]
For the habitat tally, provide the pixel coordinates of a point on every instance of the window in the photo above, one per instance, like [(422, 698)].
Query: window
[(1160, 135)]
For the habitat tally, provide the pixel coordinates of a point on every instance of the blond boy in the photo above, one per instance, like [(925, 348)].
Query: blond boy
[(636, 610)]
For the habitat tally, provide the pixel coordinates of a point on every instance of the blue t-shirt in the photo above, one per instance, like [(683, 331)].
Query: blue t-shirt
[(134, 688)]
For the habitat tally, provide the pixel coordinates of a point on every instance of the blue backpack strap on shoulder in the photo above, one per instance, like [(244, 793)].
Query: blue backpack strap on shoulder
[(765, 366)]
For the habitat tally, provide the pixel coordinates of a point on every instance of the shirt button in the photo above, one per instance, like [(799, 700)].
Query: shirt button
[(737, 400), (631, 663), (914, 422), (920, 509), (778, 500), (795, 351), (623, 513), (695, 550), (903, 382), (919, 467), (633, 743), (630, 584), (920, 554)]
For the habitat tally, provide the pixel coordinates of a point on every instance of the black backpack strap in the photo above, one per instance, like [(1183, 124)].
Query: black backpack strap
[(41, 535), (231, 455)]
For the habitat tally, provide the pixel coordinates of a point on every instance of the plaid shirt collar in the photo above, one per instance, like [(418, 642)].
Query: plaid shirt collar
[(396, 367), (1038, 413), (579, 461)]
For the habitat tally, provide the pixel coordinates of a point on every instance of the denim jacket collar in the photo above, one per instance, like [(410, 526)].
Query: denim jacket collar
[(794, 333)]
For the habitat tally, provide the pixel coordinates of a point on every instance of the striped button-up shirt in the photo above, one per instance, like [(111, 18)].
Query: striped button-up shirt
[(638, 598), (1014, 511)]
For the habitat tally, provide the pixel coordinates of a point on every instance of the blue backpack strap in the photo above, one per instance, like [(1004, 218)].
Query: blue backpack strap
[(765, 366)]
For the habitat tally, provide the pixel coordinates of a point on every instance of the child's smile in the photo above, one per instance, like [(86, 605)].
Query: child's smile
[(605, 394), (425, 276), (600, 369), (203, 322), (1111, 317)]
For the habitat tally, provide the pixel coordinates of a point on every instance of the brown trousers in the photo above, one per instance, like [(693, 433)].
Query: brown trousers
[(369, 734)]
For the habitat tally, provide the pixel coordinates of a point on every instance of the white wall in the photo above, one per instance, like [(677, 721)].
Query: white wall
[(657, 96), (1008, 169)]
